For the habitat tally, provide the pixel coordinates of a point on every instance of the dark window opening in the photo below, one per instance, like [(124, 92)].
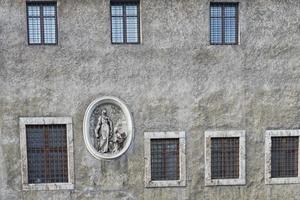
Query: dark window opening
[(164, 159), (224, 23), (224, 158), (284, 157), (42, 23), (47, 155), (125, 23)]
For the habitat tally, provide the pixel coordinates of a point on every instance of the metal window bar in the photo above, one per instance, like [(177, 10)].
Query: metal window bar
[(225, 158), (47, 153), (284, 156), (164, 159), (224, 23), (45, 21), (125, 23)]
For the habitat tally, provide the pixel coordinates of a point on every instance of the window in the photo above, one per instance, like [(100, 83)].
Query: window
[(225, 158), (165, 159), (125, 25), (282, 156), (42, 23), (224, 23), (47, 154)]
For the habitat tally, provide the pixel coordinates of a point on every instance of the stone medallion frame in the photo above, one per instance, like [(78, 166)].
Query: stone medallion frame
[(86, 126)]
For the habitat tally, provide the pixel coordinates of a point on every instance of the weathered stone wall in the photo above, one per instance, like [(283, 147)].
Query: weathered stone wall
[(173, 81)]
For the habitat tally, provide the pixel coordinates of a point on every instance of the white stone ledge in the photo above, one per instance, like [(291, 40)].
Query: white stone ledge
[(49, 186), (45, 120)]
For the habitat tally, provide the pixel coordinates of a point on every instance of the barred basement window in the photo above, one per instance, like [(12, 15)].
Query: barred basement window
[(42, 22), (47, 153), (224, 158), (284, 157), (164, 159), (224, 23), (125, 23)]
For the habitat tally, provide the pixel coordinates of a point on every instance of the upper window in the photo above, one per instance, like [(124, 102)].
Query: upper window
[(125, 25), (42, 23), (47, 153), (165, 159), (282, 156), (224, 23), (225, 158)]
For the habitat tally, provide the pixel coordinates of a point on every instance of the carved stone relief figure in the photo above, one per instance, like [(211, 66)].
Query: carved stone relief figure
[(103, 132), (108, 138)]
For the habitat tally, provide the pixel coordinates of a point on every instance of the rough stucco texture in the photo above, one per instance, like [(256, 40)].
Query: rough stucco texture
[(173, 81)]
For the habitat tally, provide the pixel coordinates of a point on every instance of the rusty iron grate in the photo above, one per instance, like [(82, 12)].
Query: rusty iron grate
[(164, 159), (284, 156), (47, 153), (224, 158)]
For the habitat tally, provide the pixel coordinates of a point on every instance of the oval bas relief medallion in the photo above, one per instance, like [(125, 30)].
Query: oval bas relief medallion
[(107, 128)]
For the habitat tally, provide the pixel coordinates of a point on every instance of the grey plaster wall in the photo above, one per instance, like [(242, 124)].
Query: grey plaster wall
[(174, 80)]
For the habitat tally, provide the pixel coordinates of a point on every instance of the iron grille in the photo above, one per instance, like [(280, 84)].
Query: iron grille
[(42, 23), (284, 156), (125, 23), (164, 159), (47, 153), (224, 23), (224, 158)]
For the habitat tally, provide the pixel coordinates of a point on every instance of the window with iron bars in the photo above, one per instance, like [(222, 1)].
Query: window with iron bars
[(224, 158), (42, 22), (165, 159), (224, 23), (125, 23), (284, 156), (47, 154)]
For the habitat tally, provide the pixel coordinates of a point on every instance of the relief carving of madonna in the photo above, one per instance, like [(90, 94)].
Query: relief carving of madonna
[(107, 128)]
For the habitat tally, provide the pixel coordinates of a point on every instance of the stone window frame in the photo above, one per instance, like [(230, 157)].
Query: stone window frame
[(182, 159), (242, 157), (268, 144), (23, 121)]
